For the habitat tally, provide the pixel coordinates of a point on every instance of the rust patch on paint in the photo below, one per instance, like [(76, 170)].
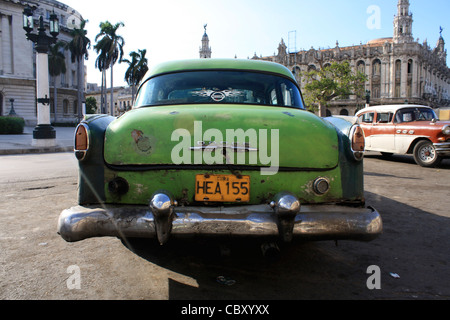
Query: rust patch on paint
[(143, 143)]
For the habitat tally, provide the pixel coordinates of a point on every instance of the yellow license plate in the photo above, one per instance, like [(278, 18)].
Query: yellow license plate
[(222, 188)]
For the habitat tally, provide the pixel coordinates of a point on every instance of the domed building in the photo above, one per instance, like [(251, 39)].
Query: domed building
[(399, 69), (18, 62)]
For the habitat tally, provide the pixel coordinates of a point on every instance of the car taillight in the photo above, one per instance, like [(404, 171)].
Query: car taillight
[(358, 142), (81, 141)]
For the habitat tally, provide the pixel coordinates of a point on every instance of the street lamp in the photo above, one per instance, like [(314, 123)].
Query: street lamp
[(44, 135), (367, 98), (12, 112)]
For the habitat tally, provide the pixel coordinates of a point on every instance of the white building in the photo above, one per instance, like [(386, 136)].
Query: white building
[(18, 62)]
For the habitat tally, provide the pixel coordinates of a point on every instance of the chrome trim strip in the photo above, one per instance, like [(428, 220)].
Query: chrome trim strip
[(442, 149)]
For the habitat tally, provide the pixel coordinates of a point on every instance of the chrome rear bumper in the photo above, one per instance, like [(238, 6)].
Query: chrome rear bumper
[(315, 222)]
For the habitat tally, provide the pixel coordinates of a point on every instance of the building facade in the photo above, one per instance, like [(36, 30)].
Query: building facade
[(18, 62), (399, 69), (122, 96)]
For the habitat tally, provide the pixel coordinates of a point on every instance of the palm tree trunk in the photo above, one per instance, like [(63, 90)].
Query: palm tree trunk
[(112, 91), (102, 102), (80, 88)]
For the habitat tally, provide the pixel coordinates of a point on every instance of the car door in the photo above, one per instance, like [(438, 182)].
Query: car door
[(406, 129), (366, 123), (383, 133)]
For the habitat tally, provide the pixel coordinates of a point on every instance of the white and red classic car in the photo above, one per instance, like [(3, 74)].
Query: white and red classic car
[(406, 129)]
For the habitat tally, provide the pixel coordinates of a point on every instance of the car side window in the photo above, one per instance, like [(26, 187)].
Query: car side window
[(385, 117), (367, 117), (403, 116)]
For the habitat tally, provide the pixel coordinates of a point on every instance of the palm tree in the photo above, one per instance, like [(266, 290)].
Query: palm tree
[(100, 64), (110, 50), (138, 67), (79, 47), (56, 66)]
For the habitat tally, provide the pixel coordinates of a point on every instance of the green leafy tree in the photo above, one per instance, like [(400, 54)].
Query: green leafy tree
[(91, 105), (79, 49), (332, 81), (110, 50), (137, 68), (56, 66)]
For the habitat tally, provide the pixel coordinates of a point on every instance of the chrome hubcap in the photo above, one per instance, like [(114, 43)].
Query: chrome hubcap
[(427, 154)]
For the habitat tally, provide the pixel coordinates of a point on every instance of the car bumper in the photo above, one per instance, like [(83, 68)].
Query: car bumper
[(443, 149), (315, 222)]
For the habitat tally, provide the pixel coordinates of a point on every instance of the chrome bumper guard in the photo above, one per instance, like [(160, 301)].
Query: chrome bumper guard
[(284, 218), (443, 149)]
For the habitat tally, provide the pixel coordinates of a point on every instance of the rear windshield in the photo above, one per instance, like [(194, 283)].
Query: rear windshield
[(210, 87)]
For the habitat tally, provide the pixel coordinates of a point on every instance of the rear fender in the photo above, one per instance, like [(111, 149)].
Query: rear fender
[(91, 168)]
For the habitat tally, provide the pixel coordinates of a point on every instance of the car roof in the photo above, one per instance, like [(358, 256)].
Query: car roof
[(219, 64), (390, 108)]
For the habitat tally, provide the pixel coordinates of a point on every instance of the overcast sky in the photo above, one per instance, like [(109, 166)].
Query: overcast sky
[(172, 29)]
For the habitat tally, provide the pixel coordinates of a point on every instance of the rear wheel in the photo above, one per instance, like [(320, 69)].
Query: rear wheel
[(425, 154)]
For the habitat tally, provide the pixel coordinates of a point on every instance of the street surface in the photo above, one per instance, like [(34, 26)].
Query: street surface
[(412, 255)]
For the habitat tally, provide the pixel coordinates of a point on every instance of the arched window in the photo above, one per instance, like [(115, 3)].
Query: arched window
[(410, 76), (344, 112), (398, 78), (410, 66), (311, 67), (376, 79), (297, 72), (376, 68), (361, 67)]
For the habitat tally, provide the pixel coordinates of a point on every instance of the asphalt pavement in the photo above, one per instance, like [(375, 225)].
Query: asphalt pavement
[(22, 143)]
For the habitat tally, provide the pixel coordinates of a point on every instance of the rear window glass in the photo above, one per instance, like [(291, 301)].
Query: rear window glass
[(210, 87)]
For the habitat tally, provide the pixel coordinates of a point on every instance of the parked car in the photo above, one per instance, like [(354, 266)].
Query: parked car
[(220, 148), (406, 129)]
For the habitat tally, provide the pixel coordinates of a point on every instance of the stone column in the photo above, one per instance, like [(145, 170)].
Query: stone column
[(44, 135)]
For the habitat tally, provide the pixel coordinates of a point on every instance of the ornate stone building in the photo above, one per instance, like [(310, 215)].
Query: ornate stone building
[(18, 62), (399, 69)]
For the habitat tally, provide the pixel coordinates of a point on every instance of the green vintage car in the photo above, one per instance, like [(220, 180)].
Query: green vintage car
[(220, 147)]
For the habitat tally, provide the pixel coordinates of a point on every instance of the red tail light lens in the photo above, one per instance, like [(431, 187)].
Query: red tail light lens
[(81, 141), (358, 142)]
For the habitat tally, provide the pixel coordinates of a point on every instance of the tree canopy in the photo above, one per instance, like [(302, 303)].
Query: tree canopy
[(335, 80)]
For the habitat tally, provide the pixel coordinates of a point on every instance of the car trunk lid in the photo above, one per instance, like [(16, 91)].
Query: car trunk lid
[(215, 135)]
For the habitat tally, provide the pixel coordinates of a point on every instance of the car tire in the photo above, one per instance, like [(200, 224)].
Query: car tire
[(425, 154)]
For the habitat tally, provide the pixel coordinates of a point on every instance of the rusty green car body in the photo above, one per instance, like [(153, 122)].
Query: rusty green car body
[(220, 148)]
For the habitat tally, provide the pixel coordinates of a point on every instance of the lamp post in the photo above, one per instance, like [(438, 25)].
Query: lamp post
[(44, 135), (367, 98), (12, 112)]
